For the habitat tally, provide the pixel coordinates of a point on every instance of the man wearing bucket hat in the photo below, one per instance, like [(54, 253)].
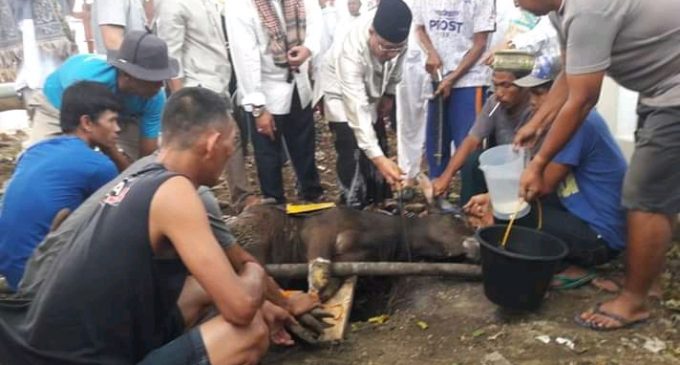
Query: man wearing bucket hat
[(361, 77), (502, 114), (579, 199), (135, 73), (637, 43)]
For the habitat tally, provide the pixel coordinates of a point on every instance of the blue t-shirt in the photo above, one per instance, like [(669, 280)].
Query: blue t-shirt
[(592, 191), (87, 67), (56, 173)]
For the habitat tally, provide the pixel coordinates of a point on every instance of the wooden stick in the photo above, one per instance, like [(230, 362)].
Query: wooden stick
[(381, 269), (512, 220)]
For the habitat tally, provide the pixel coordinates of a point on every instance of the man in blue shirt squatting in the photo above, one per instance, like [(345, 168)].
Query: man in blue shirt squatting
[(57, 173), (135, 73), (637, 43), (579, 197)]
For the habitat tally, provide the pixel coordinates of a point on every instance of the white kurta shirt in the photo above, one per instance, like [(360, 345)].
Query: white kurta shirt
[(354, 82), (260, 81), (193, 31)]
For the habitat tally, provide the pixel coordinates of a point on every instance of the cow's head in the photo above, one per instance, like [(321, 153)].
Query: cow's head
[(440, 237)]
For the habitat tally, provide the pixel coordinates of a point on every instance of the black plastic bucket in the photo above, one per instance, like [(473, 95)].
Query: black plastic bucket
[(517, 276)]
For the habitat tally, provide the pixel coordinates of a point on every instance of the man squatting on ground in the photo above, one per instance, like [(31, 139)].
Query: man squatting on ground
[(57, 173), (495, 124), (361, 77), (637, 43), (144, 299), (580, 198), (135, 73)]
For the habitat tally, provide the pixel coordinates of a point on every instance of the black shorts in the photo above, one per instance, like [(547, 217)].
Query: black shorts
[(652, 182), (187, 349)]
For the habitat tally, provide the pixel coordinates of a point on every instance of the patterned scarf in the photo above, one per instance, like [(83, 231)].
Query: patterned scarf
[(279, 42)]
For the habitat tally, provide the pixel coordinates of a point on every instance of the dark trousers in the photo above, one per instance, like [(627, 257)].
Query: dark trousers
[(586, 247), (297, 130), (472, 178), (360, 181)]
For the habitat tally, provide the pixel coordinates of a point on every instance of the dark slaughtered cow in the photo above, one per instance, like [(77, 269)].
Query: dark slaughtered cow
[(343, 234)]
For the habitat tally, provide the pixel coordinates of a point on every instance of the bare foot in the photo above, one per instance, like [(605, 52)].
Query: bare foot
[(620, 312)]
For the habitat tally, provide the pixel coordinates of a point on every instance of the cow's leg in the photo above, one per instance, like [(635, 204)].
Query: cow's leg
[(346, 249), (320, 245)]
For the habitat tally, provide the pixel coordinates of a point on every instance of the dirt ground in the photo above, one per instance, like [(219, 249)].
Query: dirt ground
[(446, 321)]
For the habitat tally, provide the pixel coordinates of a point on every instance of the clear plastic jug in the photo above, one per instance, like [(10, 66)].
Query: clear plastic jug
[(502, 167)]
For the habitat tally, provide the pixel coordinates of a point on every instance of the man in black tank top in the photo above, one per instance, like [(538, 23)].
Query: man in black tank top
[(146, 265)]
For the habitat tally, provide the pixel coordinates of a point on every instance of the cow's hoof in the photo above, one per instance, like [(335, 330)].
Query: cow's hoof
[(319, 274), (330, 289)]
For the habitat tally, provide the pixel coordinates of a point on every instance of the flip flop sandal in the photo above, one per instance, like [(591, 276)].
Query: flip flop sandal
[(625, 323), (566, 283)]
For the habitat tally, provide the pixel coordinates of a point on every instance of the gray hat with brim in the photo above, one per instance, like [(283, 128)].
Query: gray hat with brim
[(144, 56), (530, 81)]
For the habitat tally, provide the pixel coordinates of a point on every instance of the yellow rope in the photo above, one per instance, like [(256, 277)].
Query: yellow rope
[(512, 220)]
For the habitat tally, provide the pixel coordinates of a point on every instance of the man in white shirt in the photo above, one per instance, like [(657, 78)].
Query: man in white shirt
[(412, 95), (112, 19), (273, 77), (454, 34), (195, 36), (359, 85)]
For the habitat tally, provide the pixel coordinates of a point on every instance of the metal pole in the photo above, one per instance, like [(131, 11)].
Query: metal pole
[(381, 269), (440, 121)]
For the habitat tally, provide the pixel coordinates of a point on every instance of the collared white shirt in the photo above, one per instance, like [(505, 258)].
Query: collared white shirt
[(260, 81), (354, 81), (193, 31)]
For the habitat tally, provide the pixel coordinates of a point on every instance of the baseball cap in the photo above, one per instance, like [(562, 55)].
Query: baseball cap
[(544, 71)]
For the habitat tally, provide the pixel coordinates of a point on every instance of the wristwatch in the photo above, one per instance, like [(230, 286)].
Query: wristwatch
[(258, 110)]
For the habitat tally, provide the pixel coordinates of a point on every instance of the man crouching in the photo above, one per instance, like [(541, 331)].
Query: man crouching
[(146, 265)]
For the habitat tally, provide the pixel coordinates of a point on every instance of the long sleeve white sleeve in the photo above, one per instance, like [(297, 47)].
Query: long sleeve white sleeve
[(358, 108), (314, 27), (243, 44)]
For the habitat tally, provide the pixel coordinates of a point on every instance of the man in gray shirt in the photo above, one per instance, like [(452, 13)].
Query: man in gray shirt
[(112, 19), (502, 114), (637, 43)]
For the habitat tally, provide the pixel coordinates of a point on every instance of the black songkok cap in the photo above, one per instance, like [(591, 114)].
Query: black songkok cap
[(392, 20)]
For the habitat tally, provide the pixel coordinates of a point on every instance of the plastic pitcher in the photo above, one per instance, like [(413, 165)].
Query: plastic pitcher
[(502, 168)]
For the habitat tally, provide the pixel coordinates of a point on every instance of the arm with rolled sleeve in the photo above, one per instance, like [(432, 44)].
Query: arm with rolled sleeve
[(172, 16), (243, 44), (357, 106)]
